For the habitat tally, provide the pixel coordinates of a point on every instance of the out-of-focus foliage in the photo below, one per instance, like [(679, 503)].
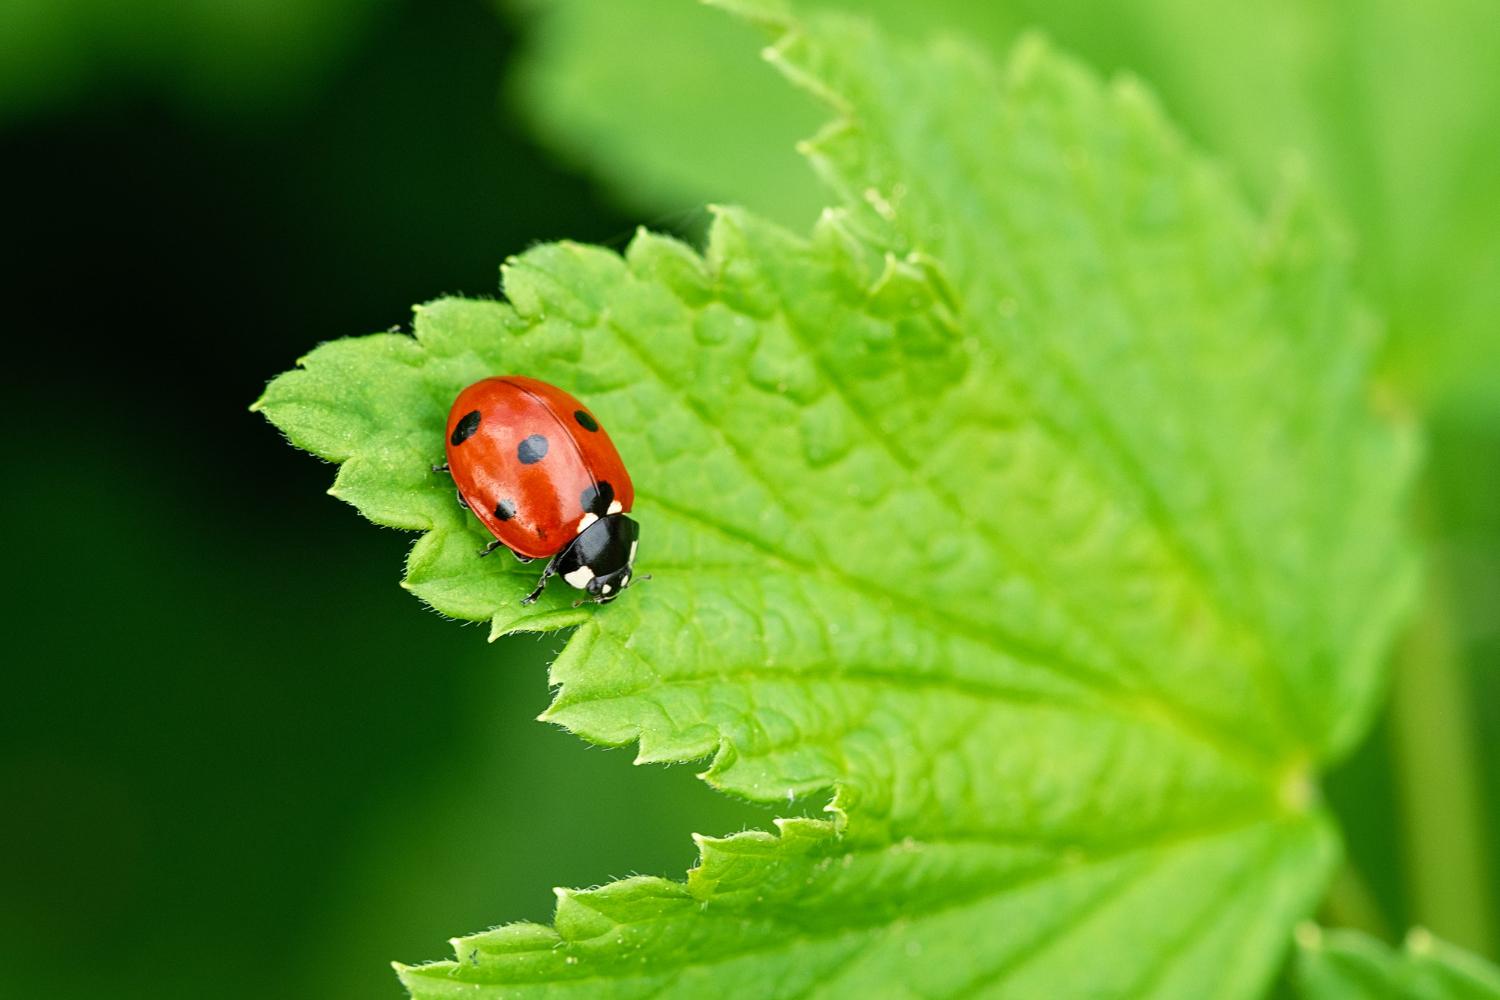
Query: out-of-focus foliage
[(212, 55), (714, 125), (1391, 108), (1348, 965)]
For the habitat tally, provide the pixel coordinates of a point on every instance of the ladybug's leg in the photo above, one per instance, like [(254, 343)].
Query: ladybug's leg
[(440, 468), (490, 548), (461, 501), (523, 560), (542, 583)]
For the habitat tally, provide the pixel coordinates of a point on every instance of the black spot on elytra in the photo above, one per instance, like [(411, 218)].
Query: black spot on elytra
[(597, 498), (532, 450), (505, 509), (585, 421), (465, 428)]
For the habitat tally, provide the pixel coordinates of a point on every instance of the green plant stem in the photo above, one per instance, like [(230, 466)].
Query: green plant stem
[(1447, 864), (1350, 903)]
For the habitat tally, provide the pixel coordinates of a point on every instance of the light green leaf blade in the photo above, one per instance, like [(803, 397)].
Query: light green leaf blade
[(1032, 505), (1349, 965), (1134, 299)]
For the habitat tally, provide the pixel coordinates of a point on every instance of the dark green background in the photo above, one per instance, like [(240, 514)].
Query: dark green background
[(237, 759)]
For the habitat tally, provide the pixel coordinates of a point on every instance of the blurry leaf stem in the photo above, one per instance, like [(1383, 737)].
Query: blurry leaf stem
[(1350, 903), (1448, 876)]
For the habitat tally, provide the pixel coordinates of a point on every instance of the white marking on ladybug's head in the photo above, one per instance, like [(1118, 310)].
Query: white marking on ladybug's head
[(616, 507), (605, 589), (579, 578), (586, 520), (625, 581)]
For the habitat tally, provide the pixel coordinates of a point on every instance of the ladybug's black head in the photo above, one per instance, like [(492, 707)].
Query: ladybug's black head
[(599, 559)]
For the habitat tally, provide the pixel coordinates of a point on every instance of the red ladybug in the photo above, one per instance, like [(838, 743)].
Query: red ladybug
[(539, 472)]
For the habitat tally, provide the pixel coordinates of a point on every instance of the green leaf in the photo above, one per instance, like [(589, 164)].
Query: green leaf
[(1033, 506), (1349, 965), (1392, 108)]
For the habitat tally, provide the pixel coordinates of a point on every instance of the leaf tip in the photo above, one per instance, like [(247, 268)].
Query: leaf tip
[(784, 56), (510, 620), (405, 972)]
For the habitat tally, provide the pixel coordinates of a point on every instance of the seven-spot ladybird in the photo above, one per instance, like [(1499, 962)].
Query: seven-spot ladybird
[(540, 473)]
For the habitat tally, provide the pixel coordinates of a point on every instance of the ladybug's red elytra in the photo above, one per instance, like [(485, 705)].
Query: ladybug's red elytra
[(541, 474)]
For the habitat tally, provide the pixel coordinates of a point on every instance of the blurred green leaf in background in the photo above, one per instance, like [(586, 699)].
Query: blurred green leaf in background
[(208, 56), (1349, 965)]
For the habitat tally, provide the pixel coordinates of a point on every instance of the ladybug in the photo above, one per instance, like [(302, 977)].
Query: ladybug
[(535, 467)]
